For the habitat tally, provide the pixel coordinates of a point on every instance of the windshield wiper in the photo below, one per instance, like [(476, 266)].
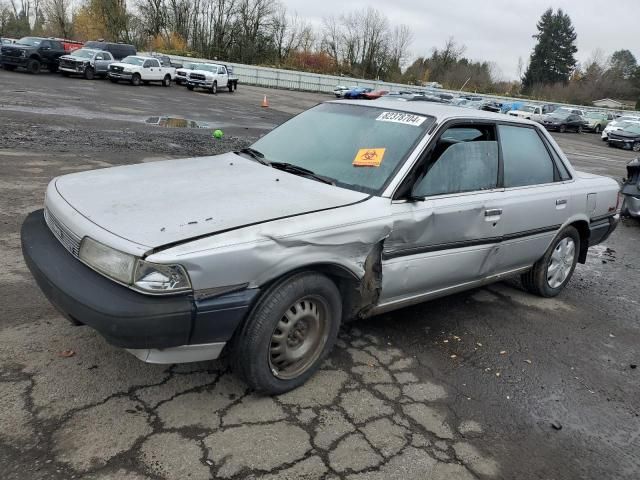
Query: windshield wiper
[(295, 169), (255, 154)]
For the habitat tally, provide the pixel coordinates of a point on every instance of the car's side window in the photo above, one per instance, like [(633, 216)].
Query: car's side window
[(526, 159), (99, 56), (147, 64), (465, 159), (154, 63)]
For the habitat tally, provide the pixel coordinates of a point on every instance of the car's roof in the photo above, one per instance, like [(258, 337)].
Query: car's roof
[(438, 110)]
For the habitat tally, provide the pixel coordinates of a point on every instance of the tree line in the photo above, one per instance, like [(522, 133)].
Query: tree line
[(361, 43)]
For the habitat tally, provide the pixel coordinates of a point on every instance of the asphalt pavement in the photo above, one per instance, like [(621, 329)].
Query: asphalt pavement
[(493, 383)]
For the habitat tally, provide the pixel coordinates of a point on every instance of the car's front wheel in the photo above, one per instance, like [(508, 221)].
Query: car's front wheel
[(33, 66), (562, 129), (136, 79), (579, 129), (552, 272), (636, 147), (288, 334), (166, 81), (597, 129), (89, 73)]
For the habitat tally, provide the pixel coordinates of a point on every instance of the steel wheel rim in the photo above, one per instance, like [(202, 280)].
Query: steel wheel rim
[(636, 147), (299, 337), (561, 262)]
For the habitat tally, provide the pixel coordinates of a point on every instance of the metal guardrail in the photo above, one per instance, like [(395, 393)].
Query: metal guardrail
[(319, 83)]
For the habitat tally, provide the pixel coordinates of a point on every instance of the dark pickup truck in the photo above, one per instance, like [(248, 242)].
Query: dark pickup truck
[(32, 53)]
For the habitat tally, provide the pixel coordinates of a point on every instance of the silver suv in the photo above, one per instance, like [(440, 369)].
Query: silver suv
[(350, 209)]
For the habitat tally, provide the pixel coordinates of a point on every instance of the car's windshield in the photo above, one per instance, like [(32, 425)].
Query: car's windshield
[(632, 128), (595, 116), (32, 42), (359, 147), (208, 68), (560, 114), (133, 60), (529, 108), (84, 53), (191, 66)]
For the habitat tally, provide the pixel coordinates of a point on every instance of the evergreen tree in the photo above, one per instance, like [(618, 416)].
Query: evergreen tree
[(552, 60), (623, 64)]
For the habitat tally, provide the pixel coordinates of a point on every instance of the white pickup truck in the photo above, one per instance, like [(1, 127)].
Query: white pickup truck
[(137, 69), (530, 112), (211, 76)]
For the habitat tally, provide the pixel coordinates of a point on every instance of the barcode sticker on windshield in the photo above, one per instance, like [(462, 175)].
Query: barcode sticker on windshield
[(400, 117)]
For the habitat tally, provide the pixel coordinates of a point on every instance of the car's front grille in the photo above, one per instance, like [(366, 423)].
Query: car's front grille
[(67, 238), (115, 68), (11, 52), (197, 76), (182, 74), (64, 63)]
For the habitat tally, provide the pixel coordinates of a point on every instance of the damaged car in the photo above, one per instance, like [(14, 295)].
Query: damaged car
[(348, 210), (631, 190)]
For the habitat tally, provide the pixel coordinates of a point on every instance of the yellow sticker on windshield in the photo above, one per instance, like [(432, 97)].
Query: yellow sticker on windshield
[(369, 157)]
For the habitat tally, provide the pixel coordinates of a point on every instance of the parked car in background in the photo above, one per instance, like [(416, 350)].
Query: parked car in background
[(165, 60), (340, 90), (307, 233), (530, 112), (138, 69), (491, 106), (575, 111), (86, 62), (375, 94), (117, 50), (6, 41), (627, 138), (356, 92), (182, 72), (32, 53), (211, 77), (564, 121), (619, 124), (631, 190), (597, 121), (70, 45)]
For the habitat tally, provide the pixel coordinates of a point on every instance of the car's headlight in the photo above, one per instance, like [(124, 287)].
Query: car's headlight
[(130, 270), (107, 260), (127, 70), (159, 278)]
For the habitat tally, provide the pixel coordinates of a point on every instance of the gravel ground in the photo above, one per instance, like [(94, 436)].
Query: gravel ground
[(490, 383)]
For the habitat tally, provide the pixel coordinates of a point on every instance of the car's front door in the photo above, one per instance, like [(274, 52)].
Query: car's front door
[(448, 234), (102, 61), (537, 199)]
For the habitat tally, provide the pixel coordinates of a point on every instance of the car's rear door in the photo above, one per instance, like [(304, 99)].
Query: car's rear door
[(537, 198), (450, 238)]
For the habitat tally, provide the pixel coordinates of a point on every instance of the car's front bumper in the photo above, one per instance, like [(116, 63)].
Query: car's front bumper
[(600, 228), (16, 61), (199, 83), (120, 76), (161, 329), (551, 127), (77, 70), (632, 206), (620, 143)]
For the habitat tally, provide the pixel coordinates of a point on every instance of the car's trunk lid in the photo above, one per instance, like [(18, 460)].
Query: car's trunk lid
[(161, 203)]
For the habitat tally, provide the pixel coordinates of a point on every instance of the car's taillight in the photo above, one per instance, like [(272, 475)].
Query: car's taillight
[(619, 202)]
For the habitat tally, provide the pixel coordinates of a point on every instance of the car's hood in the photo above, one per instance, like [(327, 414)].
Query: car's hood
[(17, 46), (160, 203), (74, 57), (203, 72), (625, 134), (124, 65)]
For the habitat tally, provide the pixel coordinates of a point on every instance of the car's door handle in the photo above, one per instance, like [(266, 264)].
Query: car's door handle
[(561, 201), (495, 212)]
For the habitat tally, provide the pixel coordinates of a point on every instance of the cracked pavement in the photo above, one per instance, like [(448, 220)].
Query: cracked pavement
[(465, 387)]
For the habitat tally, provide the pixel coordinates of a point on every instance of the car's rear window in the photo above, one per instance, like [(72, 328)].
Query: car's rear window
[(358, 146)]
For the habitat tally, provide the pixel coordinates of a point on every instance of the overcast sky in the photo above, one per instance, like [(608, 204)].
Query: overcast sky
[(498, 31)]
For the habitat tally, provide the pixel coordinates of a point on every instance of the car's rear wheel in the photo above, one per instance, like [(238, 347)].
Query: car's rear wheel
[(89, 73), (230, 86), (552, 272), (189, 87), (136, 79), (288, 334), (636, 147), (562, 129), (33, 66), (597, 129), (166, 81), (579, 129)]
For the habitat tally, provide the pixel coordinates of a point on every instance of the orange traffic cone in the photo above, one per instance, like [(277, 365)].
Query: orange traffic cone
[(265, 102)]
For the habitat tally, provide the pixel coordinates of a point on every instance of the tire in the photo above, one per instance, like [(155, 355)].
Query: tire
[(214, 88), (597, 129), (89, 73), (304, 309), (136, 79), (563, 253), (562, 129), (9, 68), (190, 87), (33, 66), (230, 86), (579, 129), (166, 81)]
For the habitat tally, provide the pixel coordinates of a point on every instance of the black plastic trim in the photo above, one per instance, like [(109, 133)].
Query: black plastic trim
[(467, 243)]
